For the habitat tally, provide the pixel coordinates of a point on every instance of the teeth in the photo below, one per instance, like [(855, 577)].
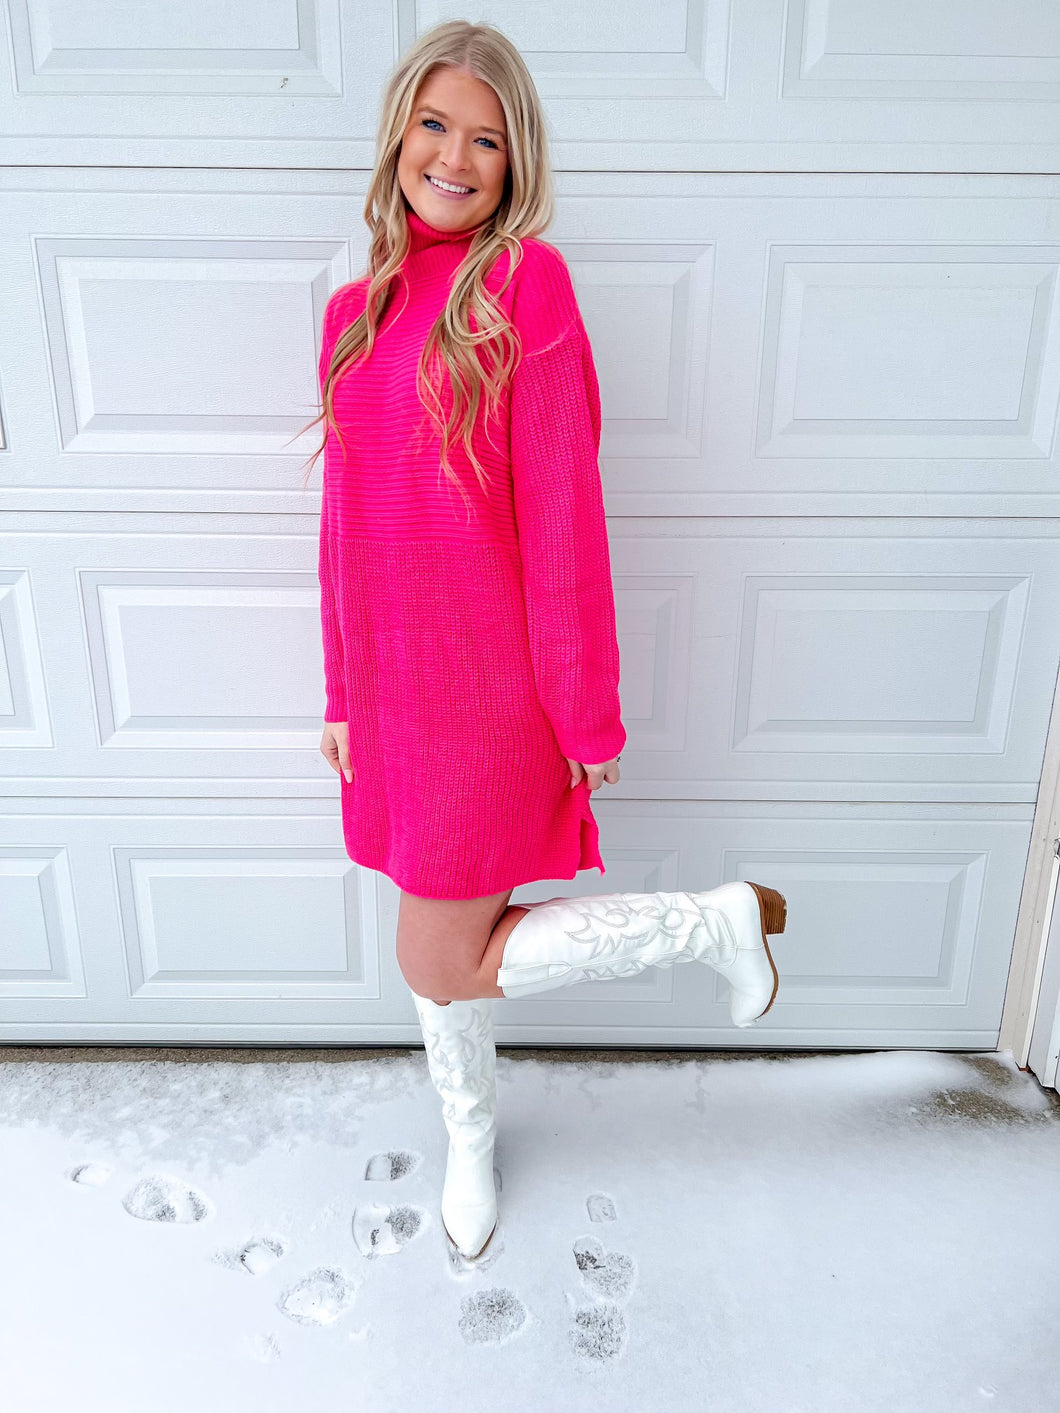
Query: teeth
[(447, 186)]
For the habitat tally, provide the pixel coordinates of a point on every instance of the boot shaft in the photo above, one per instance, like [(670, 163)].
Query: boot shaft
[(461, 1059), (562, 941), (565, 940)]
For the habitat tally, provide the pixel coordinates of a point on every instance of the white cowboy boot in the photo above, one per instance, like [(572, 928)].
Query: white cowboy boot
[(461, 1058), (565, 940)]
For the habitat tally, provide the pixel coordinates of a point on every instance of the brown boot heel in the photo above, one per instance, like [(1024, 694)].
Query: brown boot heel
[(773, 907)]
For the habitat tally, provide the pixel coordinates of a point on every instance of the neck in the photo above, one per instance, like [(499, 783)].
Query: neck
[(423, 236)]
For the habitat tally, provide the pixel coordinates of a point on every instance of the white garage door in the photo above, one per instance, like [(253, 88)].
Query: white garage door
[(824, 314)]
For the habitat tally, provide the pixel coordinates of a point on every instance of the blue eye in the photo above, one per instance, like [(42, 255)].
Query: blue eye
[(435, 120)]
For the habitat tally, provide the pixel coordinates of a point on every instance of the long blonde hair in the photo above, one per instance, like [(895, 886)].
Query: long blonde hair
[(526, 208)]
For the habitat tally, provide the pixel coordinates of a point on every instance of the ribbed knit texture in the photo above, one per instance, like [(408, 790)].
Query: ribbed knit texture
[(468, 652)]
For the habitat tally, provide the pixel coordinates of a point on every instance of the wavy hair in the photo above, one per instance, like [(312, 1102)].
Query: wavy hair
[(526, 208)]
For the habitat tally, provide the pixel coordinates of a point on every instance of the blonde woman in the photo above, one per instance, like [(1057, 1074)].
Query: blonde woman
[(471, 660)]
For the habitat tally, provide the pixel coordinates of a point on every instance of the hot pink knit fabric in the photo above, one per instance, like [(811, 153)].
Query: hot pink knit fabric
[(469, 653)]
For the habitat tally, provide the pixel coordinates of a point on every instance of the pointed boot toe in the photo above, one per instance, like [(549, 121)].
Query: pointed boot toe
[(469, 1200), (470, 1229)]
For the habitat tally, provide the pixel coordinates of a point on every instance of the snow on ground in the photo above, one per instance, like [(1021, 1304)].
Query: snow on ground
[(737, 1232)]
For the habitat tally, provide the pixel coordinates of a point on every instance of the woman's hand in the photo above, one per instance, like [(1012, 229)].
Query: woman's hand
[(335, 748), (596, 774)]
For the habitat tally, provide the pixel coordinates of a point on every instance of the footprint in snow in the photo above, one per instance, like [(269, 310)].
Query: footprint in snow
[(388, 1167), (165, 1199), (598, 1332), (608, 1274), (600, 1207), (320, 1298), (255, 1256), (379, 1230), (90, 1174), (491, 1316)]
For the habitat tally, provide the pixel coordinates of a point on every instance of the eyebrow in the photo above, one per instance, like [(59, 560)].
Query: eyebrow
[(445, 117)]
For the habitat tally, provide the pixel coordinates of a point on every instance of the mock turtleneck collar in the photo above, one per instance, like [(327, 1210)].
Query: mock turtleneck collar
[(422, 235)]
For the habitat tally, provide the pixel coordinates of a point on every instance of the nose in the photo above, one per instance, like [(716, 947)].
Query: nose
[(455, 152)]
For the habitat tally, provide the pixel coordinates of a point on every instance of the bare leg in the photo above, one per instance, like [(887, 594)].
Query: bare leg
[(450, 949), (486, 981)]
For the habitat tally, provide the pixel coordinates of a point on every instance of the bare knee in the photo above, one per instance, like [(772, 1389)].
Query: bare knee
[(441, 943), (420, 976), (430, 975)]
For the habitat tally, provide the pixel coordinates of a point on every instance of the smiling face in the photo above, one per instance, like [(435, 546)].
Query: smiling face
[(457, 135)]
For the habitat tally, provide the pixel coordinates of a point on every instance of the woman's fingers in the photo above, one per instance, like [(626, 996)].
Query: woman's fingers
[(599, 773), (596, 774), (335, 748), (329, 750), (344, 759)]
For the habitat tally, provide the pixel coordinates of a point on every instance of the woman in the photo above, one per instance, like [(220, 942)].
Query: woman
[(471, 660)]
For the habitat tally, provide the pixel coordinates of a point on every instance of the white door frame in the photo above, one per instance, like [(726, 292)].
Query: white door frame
[(1024, 996)]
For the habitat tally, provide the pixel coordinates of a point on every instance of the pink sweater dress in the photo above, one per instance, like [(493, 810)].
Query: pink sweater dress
[(469, 652)]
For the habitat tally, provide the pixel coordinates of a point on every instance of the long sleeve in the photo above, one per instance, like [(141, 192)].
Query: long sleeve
[(559, 509), (334, 677)]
